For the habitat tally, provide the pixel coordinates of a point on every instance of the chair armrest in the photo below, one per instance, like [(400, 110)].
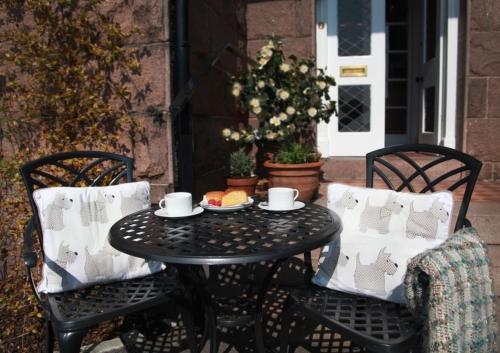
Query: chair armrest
[(467, 223), (29, 254)]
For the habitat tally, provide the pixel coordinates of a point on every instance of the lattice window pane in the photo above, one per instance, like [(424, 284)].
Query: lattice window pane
[(354, 21), (354, 108)]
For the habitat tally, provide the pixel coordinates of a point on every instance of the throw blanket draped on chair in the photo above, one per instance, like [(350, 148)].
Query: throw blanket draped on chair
[(450, 289)]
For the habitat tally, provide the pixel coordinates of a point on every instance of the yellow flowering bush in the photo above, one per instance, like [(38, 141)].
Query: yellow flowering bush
[(286, 96)]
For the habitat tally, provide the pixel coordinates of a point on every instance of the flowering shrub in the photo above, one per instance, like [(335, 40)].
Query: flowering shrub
[(287, 97)]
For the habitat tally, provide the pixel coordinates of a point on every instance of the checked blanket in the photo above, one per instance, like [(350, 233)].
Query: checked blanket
[(451, 290)]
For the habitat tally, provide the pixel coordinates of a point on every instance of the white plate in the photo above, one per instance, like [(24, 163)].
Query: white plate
[(221, 209), (297, 205), (163, 213)]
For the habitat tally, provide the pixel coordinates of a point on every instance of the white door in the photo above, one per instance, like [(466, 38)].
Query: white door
[(351, 46)]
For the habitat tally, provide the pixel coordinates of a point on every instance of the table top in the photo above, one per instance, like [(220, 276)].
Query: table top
[(245, 236)]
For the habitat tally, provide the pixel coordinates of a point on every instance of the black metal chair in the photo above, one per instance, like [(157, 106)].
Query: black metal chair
[(69, 315), (370, 324)]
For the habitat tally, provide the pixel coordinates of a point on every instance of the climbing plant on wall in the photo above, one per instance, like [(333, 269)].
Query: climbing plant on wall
[(68, 76)]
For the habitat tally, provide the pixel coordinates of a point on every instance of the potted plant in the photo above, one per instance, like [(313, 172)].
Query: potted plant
[(288, 98), (241, 175)]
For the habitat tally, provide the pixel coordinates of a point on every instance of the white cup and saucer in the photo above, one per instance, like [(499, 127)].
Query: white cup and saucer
[(281, 199), (177, 205)]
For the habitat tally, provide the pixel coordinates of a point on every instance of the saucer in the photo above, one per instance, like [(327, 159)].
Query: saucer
[(163, 213), (297, 205)]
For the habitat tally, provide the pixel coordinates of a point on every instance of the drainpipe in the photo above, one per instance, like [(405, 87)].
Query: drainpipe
[(183, 127)]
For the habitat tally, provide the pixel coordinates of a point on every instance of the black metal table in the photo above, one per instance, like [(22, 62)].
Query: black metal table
[(242, 237)]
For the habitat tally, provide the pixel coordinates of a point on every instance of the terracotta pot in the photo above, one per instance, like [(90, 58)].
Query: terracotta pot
[(245, 184), (303, 177)]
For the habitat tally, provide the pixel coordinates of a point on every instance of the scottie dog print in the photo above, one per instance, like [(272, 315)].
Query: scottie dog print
[(134, 202), (65, 257), (378, 217), (341, 264), (425, 224), (98, 266), (53, 213), (372, 277), (347, 201), (95, 211)]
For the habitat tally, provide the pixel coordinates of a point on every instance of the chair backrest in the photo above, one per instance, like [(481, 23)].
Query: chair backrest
[(79, 168), (424, 168)]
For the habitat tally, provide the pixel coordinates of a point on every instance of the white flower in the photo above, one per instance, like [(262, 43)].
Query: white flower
[(284, 94), (290, 110), (263, 61), (271, 135), (226, 132), (285, 67), (235, 92), (282, 116), (312, 112), (270, 44), (249, 138), (261, 84), (237, 86), (303, 68), (257, 110), (291, 127), (254, 102), (235, 136), (271, 82), (275, 121), (321, 84), (266, 52)]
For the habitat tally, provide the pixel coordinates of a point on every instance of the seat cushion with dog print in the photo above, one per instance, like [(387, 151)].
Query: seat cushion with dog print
[(75, 223), (382, 231)]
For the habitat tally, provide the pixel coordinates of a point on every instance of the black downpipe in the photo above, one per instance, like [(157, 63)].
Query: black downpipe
[(183, 126)]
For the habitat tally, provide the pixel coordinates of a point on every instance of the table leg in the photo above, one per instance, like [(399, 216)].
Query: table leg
[(259, 317)]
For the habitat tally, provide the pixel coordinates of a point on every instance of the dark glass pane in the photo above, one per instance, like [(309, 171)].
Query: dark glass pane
[(429, 109), (354, 21), (397, 94), (430, 29), (398, 37), (398, 66), (354, 108), (395, 121), (396, 10)]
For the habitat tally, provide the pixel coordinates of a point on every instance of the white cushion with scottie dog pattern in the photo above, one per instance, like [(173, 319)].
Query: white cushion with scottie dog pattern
[(382, 231), (75, 225)]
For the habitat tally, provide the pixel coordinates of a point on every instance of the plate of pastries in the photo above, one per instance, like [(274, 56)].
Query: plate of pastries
[(226, 201)]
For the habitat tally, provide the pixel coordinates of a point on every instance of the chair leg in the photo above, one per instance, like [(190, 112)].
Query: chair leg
[(212, 330), (70, 342), (49, 337)]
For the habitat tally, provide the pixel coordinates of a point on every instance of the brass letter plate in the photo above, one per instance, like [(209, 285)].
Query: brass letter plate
[(353, 71)]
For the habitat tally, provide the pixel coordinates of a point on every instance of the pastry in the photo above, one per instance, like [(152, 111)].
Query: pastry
[(234, 197), (214, 195)]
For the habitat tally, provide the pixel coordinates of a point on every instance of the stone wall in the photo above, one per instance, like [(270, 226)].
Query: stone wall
[(212, 24), (152, 149), (482, 79), (292, 20)]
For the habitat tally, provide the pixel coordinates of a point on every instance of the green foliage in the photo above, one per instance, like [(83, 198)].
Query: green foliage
[(68, 76), (295, 153), (288, 97), (240, 165)]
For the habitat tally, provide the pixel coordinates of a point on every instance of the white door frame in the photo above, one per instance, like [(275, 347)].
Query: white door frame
[(448, 69)]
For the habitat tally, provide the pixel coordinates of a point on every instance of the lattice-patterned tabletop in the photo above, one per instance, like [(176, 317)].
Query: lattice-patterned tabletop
[(245, 236)]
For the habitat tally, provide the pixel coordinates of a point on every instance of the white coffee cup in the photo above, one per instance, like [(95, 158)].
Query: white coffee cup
[(177, 204), (282, 198)]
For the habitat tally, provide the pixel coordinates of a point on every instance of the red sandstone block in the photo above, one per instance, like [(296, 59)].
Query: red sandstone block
[(271, 17), (482, 139), (484, 15), (301, 47), (476, 101), (493, 97), (484, 53)]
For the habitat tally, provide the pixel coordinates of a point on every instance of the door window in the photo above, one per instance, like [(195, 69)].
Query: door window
[(354, 108), (354, 27)]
